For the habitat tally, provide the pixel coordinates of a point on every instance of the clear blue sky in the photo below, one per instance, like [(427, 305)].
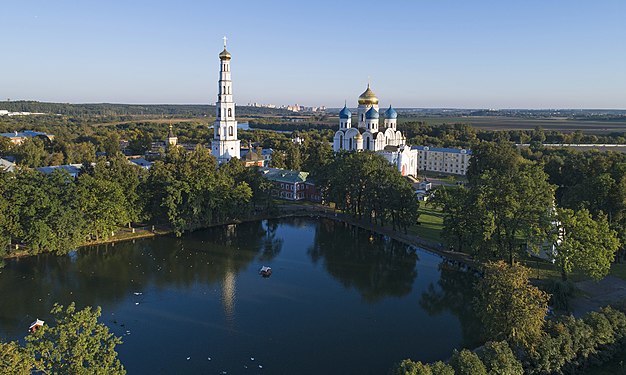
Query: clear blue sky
[(418, 53)]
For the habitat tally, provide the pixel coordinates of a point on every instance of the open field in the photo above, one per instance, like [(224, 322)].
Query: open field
[(514, 123)]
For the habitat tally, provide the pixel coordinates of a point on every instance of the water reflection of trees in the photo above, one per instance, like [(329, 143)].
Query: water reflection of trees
[(455, 293), (375, 265), (107, 274)]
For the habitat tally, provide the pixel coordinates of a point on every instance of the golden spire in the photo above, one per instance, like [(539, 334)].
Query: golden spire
[(225, 55)]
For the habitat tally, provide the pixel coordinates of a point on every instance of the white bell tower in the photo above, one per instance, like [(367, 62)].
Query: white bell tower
[(225, 145)]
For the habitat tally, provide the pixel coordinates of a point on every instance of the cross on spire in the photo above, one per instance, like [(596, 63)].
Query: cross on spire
[(225, 41)]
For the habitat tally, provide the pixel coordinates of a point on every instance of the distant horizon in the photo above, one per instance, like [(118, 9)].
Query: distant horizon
[(327, 107)]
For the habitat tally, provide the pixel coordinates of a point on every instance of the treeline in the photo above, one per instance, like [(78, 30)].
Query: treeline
[(185, 191), (521, 340), (365, 185), (111, 109), (464, 135)]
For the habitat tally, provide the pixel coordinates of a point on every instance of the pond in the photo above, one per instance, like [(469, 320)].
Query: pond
[(340, 300)]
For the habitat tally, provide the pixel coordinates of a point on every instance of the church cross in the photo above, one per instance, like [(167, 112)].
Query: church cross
[(225, 41)]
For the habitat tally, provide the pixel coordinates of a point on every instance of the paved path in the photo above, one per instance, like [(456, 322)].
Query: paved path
[(596, 294)]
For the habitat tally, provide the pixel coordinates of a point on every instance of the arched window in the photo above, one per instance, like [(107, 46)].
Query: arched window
[(362, 117), (367, 143), (230, 131), (350, 144), (230, 113), (340, 142)]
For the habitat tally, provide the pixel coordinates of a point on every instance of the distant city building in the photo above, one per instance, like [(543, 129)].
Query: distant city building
[(225, 145), (389, 143), (18, 138), (444, 160), (292, 185)]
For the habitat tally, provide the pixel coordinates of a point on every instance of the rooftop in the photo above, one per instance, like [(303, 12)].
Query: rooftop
[(284, 175), (26, 134), (443, 149), (72, 169)]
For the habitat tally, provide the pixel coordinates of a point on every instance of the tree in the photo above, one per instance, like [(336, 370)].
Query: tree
[(102, 203), (509, 306), (460, 225), (467, 362), (408, 367), (77, 344), (499, 359), (513, 205), (31, 153), (14, 360), (584, 243)]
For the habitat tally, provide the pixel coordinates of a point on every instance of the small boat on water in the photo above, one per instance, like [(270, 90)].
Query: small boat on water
[(35, 325), (265, 271)]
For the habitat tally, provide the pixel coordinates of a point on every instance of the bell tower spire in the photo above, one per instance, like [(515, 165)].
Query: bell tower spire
[(225, 145)]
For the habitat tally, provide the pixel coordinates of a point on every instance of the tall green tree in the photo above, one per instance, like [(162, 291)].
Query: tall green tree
[(584, 243), (102, 203), (76, 344), (509, 307), (513, 205)]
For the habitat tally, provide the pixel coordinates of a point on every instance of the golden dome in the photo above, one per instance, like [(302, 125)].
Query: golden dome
[(225, 55), (368, 97)]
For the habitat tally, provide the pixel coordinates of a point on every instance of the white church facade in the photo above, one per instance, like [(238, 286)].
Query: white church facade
[(225, 144), (388, 141)]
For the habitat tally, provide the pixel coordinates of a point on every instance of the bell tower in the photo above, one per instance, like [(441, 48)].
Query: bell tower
[(225, 145)]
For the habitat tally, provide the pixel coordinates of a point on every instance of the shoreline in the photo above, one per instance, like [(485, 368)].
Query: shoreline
[(285, 211)]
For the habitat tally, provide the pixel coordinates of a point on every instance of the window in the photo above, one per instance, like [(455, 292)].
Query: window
[(230, 129), (230, 112), (340, 142)]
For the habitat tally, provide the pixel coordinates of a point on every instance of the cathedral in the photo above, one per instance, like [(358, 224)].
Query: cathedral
[(225, 145), (389, 142)]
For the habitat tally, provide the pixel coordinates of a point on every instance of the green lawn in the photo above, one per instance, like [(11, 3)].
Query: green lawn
[(431, 223)]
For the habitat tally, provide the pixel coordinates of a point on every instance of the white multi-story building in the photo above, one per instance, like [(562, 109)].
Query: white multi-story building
[(225, 145), (445, 160), (388, 142)]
